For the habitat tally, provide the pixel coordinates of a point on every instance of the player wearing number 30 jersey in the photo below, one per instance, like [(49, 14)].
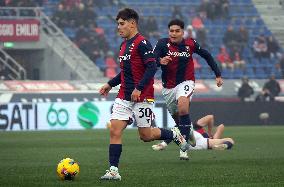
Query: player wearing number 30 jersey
[(174, 56), (136, 93)]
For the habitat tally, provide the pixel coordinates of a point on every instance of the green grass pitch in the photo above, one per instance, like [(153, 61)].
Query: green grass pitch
[(30, 159)]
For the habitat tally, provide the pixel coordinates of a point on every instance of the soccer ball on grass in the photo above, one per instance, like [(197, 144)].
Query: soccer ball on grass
[(67, 169)]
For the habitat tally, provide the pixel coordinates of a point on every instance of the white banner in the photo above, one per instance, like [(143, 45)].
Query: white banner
[(17, 116), (66, 116)]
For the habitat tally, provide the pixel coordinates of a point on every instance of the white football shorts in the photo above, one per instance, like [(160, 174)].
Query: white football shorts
[(186, 88), (127, 110), (201, 142)]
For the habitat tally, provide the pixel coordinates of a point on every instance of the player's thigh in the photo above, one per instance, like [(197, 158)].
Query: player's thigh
[(184, 95), (185, 89), (121, 111), (143, 114), (170, 99)]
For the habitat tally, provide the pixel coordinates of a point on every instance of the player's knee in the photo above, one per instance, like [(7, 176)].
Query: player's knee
[(114, 133), (222, 126), (183, 108), (211, 116), (183, 111), (145, 138)]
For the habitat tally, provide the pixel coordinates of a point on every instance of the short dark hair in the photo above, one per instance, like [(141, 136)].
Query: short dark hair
[(127, 14), (177, 22)]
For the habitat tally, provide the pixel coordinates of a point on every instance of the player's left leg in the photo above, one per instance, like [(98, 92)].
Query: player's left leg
[(184, 119), (180, 114), (178, 101), (148, 134), (162, 145), (144, 116), (184, 95), (121, 114), (115, 149), (221, 144), (219, 132), (170, 99)]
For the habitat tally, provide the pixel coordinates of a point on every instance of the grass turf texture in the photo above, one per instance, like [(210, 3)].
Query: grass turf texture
[(30, 159)]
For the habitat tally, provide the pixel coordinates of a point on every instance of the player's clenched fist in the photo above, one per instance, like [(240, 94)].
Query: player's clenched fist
[(219, 81), (165, 60)]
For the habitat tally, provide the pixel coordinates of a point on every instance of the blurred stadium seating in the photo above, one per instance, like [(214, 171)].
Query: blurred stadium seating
[(91, 26), (241, 12)]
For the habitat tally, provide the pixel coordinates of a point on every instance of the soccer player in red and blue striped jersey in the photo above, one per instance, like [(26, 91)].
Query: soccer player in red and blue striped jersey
[(136, 93), (174, 56)]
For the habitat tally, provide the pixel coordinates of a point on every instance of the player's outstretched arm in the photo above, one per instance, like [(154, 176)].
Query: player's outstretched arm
[(210, 61), (208, 121), (159, 54)]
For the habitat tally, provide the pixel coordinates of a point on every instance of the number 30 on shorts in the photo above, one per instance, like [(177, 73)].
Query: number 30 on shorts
[(145, 112)]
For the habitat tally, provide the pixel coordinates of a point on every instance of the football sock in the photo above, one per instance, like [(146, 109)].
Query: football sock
[(229, 144), (184, 126), (114, 154), (166, 134), (168, 141)]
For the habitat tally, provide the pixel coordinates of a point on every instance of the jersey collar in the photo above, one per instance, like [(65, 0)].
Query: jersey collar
[(182, 43), (133, 38)]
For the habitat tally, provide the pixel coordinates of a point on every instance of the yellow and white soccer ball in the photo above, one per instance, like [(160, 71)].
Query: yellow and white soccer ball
[(67, 169)]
